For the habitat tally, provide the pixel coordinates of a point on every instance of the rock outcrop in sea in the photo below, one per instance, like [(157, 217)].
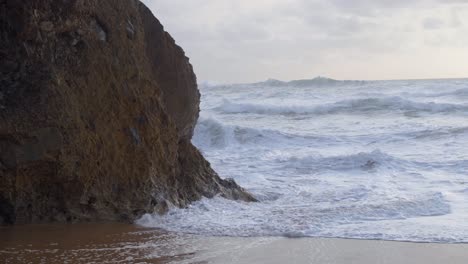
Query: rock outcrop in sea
[(97, 108)]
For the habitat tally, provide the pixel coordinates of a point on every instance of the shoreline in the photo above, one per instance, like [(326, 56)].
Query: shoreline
[(129, 243)]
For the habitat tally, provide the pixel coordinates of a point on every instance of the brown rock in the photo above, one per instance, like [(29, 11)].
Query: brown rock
[(174, 73), (96, 115), (47, 26)]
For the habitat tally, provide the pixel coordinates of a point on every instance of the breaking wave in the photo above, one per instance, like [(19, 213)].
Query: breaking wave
[(360, 161), (354, 106), (220, 217), (315, 82), (211, 133), (327, 158)]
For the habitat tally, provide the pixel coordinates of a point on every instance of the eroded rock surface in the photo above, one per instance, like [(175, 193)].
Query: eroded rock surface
[(97, 108)]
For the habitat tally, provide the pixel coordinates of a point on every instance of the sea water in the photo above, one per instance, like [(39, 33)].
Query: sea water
[(325, 158)]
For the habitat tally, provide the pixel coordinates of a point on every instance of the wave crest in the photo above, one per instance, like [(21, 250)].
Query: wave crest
[(354, 106), (211, 133), (366, 161)]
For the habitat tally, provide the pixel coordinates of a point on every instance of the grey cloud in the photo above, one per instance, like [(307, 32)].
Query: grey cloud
[(453, 1), (432, 23), (375, 3), (250, 40), (455, 20)]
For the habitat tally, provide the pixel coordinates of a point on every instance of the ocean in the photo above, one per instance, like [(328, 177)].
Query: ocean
[(383, 160)]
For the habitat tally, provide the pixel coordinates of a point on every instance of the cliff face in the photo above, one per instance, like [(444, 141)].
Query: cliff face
[(174, 74), (97, 108)]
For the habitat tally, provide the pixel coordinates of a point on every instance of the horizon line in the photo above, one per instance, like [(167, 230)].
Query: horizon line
[(319, 76)]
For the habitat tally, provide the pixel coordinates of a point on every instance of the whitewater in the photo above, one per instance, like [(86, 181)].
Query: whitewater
[(325, 158)]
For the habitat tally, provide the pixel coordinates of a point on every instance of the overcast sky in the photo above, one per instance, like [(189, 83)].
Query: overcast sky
[(252, 40)]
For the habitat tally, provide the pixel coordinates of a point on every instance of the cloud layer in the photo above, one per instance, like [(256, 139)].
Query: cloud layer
[(251, 40)]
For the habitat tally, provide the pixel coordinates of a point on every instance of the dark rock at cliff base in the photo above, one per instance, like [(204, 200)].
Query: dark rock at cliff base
[(97, 108)]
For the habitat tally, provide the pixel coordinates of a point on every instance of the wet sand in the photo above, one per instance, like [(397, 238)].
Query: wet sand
[(122, 243)]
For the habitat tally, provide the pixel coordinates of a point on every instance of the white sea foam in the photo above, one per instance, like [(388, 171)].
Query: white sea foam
[(212, 133), (355, 106), (327, 158)]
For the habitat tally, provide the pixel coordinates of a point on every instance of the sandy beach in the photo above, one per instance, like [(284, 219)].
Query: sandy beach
[(122, 243)]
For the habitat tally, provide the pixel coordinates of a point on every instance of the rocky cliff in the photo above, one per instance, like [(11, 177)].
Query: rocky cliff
[(97, 108)]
